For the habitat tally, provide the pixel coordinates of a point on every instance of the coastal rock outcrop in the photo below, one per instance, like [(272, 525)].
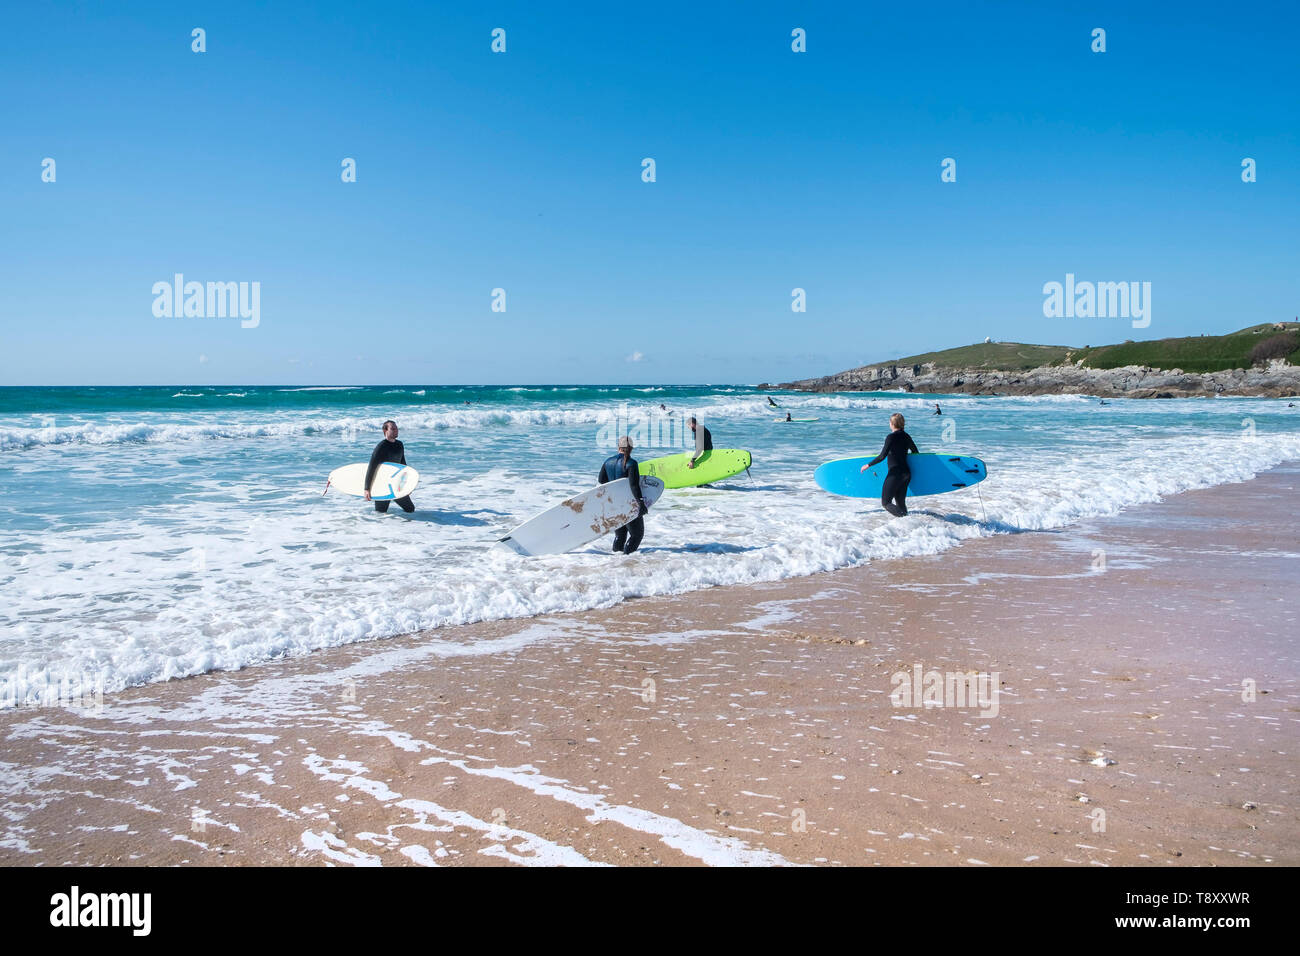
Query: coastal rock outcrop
[(1276, 380)]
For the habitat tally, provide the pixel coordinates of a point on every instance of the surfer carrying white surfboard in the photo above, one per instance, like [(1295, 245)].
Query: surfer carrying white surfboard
[(703, 441), (390, 449), (627, 538), (893, 495)]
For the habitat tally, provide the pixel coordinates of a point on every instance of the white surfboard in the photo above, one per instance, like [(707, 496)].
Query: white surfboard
[(391, 480), (582, 518)]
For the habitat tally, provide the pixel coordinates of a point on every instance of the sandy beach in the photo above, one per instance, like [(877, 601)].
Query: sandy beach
[(1144, 712)]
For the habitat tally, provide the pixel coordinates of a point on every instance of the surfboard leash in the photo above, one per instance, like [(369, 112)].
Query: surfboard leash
[(980, 491)]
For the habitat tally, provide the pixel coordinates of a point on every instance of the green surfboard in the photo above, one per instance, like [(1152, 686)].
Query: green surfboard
[(712, 466)]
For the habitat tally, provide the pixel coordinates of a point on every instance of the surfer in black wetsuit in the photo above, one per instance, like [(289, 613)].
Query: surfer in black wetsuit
[(788, 418), (893, 495), (703, 441), (627, 538), (390, 449), (937, 409), (772, 403)]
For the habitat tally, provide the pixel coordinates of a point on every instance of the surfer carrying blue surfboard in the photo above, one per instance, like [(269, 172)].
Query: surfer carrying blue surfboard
[(627, 538), (703, 441), (390, 449), (898, 443)]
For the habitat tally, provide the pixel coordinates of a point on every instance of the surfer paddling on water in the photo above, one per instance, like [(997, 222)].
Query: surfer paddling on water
[(627, 538), (390, 449), (898, 443), (703, 441)]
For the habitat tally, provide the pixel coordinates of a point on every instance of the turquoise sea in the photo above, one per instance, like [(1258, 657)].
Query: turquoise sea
[(150, 533)]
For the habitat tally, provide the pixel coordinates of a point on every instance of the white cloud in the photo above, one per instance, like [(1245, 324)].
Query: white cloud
[(635, 357), (203, 360)]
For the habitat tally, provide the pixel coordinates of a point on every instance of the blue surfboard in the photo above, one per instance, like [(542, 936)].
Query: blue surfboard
[(932, 474)]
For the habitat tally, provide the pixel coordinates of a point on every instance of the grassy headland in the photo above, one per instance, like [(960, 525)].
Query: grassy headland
[(1193, 353), (1260, 360)]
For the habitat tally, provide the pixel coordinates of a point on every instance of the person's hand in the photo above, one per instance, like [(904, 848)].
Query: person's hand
[(860, 470), (691, 463), (367, 496)]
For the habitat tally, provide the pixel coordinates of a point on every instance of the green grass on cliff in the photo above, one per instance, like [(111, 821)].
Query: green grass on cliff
[(1006, 356), (1198, 353)]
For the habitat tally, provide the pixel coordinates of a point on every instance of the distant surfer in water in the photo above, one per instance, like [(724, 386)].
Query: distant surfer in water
[(772, 403), (788, 418), (390, 449), (937, 409), (893, 495), (627, 538), (703, 441)]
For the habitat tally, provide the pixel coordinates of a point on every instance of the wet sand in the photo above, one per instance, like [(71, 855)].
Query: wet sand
[(745, 725)]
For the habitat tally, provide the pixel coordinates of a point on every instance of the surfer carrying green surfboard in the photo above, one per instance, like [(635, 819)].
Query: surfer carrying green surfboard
[(893, 495), (703, 441), (627, 538), (390, 449)]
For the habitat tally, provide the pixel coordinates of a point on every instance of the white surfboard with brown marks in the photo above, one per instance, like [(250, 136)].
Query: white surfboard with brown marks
[(582, 518)]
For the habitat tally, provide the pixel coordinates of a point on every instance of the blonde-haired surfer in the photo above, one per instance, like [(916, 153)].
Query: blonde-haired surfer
[(893, 494)]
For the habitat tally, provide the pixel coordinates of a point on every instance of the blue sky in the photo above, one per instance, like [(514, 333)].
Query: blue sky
[(522, 171)]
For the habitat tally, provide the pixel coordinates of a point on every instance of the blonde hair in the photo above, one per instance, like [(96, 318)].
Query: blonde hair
[(895, 420)]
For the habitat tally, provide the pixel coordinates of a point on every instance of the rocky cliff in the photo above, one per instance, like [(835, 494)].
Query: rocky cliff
[(1276, 380)]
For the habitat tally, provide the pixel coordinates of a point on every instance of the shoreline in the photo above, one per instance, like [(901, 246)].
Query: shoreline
[(747, 724)]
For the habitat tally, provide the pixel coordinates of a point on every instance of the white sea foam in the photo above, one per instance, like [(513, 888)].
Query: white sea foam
[(160, 562), (153, 429)]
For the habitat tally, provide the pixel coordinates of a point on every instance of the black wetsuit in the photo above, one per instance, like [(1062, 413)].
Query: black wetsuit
[(893, 494), (393, 451), (703, 442), (627, 538)]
